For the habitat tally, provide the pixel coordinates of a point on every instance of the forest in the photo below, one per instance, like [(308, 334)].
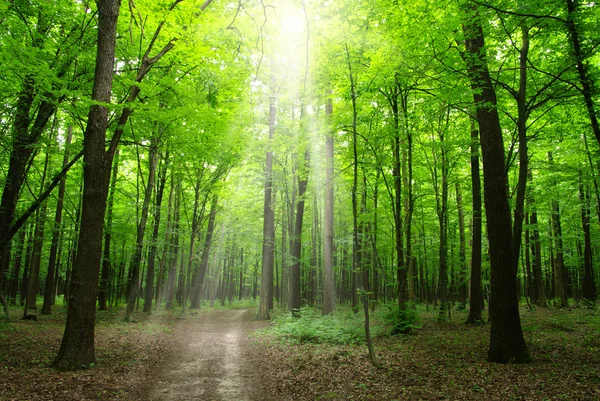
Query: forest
[(381, 199)]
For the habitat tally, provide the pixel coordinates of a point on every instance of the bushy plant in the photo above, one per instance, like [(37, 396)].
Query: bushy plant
[(312, 327), (401, 321)]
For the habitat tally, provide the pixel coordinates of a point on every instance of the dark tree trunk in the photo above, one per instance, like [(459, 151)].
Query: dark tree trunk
[(266, 283), (297, 241), (165, 260), (199, 283), (149, 293), (588, 284), (172, 280), (506, 339), (462, 253), (560, 272), (77, 347), (584, 76), (33, 282), (519, 213), (134, 285), (536, 250), (17, 263), (105, 273), (56, 229)]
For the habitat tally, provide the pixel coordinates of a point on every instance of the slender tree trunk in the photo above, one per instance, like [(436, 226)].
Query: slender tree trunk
[(106, 265), (506, 339), (536, 249), (584, 76), (560, 278), (165, 260), (141, 229), (17, 264), (462, 253), (198, 285), (519, 213), (56, 229), (160, 189), (588, 284), (297, 241), (172, 280), (328, 279), (33, 282), (266, 284)]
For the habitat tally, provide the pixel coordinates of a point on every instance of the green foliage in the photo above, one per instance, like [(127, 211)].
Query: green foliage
[(311, 327), (401, 321)]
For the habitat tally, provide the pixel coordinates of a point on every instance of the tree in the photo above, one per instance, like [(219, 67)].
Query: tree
[(266, 282), (77, 346), (328, 281), (506, 339)]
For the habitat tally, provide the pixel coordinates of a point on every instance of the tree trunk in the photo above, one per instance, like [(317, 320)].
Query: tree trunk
[(560, 272), (106, 265), (56, 229), (160, 189), (141, 229), (584, 77), (588, 284), (536, 250), (328, 279), (462, 253), (175, 246), (166, 246), (506, 339), (77, 347), (198, 285), (519, 213), (33, 282), (266, 283), (17, 264), (297, 241)]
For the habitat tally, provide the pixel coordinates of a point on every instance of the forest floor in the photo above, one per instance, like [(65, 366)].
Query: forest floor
[(213, 354)]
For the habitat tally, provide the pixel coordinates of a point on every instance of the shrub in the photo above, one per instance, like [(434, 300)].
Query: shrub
[(401, 321)]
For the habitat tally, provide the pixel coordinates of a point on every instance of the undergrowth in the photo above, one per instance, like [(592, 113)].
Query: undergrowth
[(342, 328)]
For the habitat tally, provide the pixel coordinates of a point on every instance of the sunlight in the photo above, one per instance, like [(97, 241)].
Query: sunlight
[(293, 23)]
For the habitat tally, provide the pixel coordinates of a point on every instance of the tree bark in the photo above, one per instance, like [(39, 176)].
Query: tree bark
[(462, 252), (141, 229), (77, 347), (56, 229), (584, 76), (199, 283), (328, 279), (266, 283), (297, 240), (506, 338), (536, 249), (560, 272), (588, 284), (519, 212), (106, 265), (175, 246), (149, 291), (33, 282)]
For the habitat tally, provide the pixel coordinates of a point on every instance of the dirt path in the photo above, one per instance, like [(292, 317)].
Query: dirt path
[(209, 361)]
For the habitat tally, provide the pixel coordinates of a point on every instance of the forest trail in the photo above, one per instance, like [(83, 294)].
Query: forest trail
[(209, 362)]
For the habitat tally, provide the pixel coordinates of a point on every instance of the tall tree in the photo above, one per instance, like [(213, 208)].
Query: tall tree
[(56, 230), (77, 347), (506, 338), (328, 280), (266, 282)]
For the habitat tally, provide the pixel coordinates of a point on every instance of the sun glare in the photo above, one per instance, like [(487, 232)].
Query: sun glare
[(293, 23)]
